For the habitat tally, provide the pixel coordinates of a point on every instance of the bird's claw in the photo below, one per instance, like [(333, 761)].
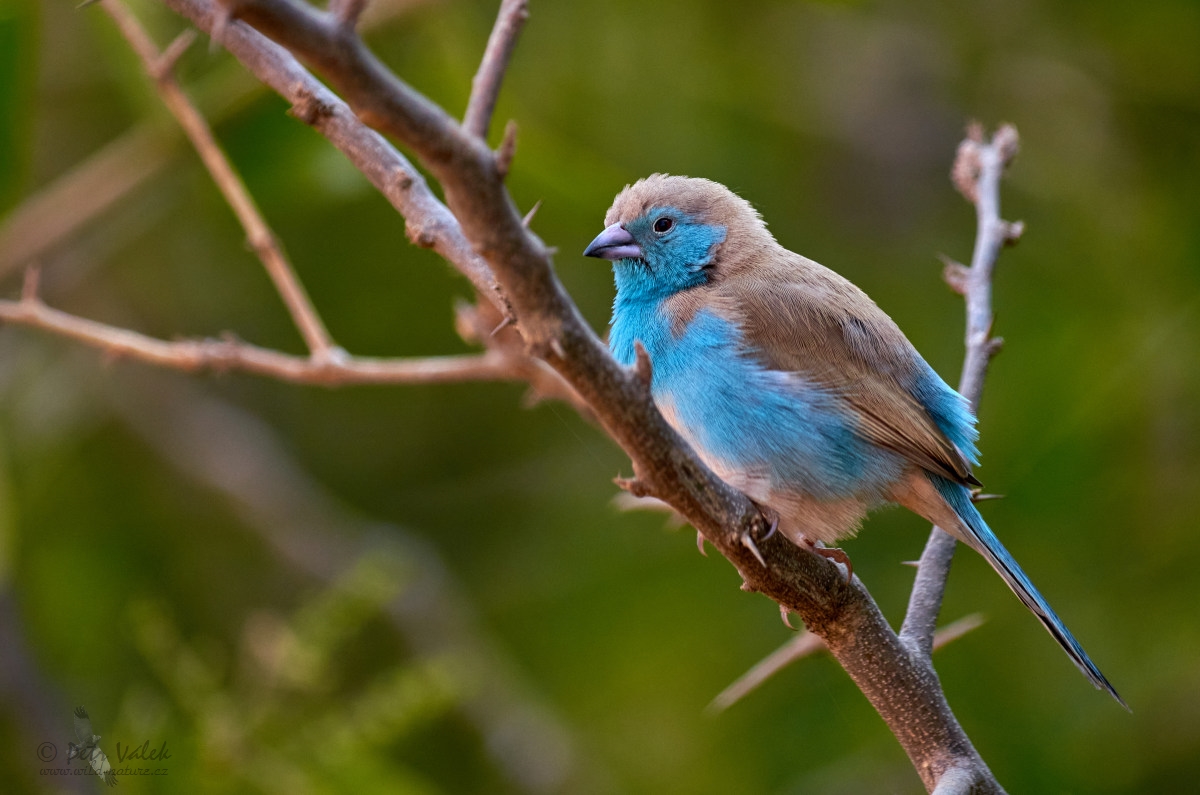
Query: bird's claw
[(784, 613), (834, 554), (770, 516), (772, 519), (748, 543)]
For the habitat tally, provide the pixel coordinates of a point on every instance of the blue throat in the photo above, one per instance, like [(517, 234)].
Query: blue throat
[(672, 264), (638, 313)]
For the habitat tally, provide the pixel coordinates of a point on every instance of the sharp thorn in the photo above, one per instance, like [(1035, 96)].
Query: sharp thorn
[(956, 629), (528, 219), (508, 149), (508, 320)]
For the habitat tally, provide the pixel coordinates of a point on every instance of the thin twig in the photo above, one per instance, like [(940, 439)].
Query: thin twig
[(485, 88), (430, 220), (802, 645), (806, 644), (223, 355), (259, 234), (956, 629), (976, 173), (467, 169)]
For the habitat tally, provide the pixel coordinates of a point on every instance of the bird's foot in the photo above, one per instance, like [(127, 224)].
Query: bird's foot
[(834, 554), (769, 516), (784, 613)]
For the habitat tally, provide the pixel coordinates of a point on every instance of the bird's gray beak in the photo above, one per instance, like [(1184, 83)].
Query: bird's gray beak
[(614, 243)]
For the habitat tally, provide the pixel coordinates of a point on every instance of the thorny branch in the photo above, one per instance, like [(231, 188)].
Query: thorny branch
[(498, 363), (485, 88), (221, 355), (977, 169), (480, 232), (160, 67), (430, 225)]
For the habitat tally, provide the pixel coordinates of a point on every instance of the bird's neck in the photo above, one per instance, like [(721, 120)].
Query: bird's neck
[(649, 281), (639, 314)]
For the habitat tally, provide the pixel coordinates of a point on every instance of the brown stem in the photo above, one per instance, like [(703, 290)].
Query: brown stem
[(262, 239), (976, 173), (234, 355), (485, 88)]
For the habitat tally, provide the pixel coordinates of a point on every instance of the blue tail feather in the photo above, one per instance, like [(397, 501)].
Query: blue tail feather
[(959, 499)]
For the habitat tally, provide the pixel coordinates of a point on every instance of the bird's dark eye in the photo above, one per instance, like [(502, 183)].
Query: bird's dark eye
[(663, 224)]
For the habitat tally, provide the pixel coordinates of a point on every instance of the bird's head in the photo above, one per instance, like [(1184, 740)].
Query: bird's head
[(665, 234)]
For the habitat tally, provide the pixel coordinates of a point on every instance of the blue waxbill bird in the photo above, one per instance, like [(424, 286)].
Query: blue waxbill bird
[(789, 382)]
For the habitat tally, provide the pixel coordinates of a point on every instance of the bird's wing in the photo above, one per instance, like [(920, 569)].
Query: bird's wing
[(102, 767), (806, 319), (83, 726)]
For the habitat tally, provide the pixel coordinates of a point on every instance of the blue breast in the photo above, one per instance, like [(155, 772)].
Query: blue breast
[(746, 416)]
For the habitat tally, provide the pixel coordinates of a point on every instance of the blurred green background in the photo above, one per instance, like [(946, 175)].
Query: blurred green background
[(428, 589)]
